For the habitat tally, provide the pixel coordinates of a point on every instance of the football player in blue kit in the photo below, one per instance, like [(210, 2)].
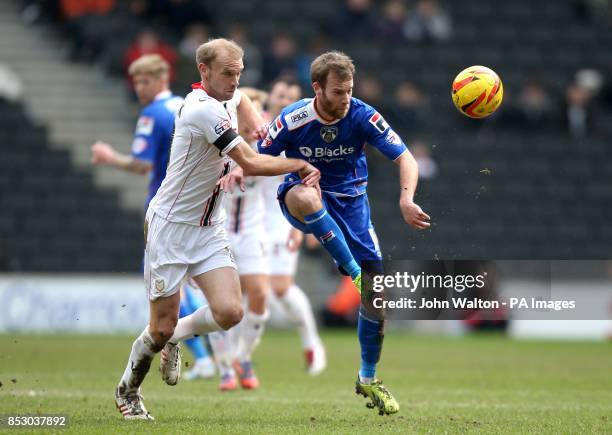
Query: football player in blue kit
[(150, 154), (330, 132)]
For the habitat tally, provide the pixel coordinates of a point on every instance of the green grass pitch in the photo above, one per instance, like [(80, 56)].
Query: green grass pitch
[(480, 384)]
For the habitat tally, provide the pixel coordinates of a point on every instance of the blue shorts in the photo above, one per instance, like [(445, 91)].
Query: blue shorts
[(351, 213)]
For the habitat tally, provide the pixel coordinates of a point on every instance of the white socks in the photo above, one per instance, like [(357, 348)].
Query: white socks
[(297, 305), (223, 350), (139, 363), (251, 330), (200, 322)]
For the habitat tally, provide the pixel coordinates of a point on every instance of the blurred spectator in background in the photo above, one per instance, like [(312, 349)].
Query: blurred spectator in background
[(590, 79), (534, 108), (578, 111), (354, 18), (428, 22), (280, 60), (368, 88), (195, 35), (411, 111), (606, 91), (392, 22), (253, 60), (147, 42), (428, 168), (11, 86), (178, 14), (34, 11), (316, 46), (589, 10), (87, 23)]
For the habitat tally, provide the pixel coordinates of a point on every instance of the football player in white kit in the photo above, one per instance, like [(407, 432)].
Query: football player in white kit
[(275, 255), (184, 232), (245, 227), (284, 243)]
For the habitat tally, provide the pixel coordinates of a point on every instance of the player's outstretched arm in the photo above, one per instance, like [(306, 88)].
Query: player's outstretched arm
[(253, 163), (409, 176), (104, 154)]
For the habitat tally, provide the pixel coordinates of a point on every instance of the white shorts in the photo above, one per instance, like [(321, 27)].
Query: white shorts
[(175, 251), (251, 252), (282, 261)]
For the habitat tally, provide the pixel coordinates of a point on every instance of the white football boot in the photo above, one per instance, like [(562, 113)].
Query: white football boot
[(170, 363)]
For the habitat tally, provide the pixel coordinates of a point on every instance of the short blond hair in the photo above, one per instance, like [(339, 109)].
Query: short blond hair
[(150, 64), (332, 61), (209, 51)]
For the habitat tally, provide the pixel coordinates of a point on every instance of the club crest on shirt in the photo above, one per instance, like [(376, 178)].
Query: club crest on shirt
[(329, 133)]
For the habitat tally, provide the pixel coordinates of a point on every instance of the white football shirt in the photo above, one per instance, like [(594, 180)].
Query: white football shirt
[(205, 130), (245, 210)]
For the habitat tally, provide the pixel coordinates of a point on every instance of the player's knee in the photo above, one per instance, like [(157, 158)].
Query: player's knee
[(308, 201), (280, 292), (257, 296), (230, 316), (162, 331)]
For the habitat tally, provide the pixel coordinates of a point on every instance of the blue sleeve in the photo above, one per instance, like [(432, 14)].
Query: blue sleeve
[(277, 139), (380, 135), (146, 136)]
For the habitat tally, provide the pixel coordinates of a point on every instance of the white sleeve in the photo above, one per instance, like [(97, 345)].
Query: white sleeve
[(210, 120)]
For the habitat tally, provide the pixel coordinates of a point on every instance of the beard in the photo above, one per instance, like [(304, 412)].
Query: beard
[(336, 112)]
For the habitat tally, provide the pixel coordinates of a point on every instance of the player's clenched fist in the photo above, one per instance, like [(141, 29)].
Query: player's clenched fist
[(102, 153)]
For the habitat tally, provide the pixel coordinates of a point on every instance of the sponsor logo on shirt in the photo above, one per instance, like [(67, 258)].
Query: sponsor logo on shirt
[(299, 116), (222, 127), (275, 128), (267, 141), (393, 138), (379, 122), (145, 125), (139, 145), (323, 152), (306, 152)]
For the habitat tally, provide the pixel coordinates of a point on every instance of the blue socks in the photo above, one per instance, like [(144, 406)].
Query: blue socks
[(370, 332), (371, 335), (323, 226), (195, 344)]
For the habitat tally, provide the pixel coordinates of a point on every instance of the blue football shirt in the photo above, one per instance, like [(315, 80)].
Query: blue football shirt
[(336, 148), (153, 136)]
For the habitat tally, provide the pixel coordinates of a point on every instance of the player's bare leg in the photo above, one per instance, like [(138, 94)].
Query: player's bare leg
[(163, 317), (223, 311), (298, 307)]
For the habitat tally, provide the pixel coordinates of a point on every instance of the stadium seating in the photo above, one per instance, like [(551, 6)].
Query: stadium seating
[(502, 191), (57, 220)]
